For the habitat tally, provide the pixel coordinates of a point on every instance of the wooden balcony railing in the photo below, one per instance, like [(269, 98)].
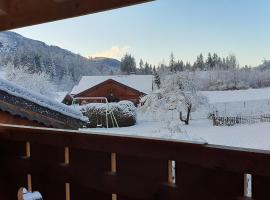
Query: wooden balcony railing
[(78, 166)]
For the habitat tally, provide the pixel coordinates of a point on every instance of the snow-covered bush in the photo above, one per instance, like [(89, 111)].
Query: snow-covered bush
[(124, 112)]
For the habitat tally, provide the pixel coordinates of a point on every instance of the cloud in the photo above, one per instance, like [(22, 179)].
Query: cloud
[(114, 52)]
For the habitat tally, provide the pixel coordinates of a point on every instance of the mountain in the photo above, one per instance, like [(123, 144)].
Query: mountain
[(61, 65)]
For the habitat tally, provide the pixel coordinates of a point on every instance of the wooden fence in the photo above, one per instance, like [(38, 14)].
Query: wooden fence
[(72, 165), (231, 121)]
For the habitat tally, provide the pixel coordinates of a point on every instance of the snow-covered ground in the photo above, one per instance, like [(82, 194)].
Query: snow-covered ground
[(237, 103), (255, 136), (237, 95), (3, 74)]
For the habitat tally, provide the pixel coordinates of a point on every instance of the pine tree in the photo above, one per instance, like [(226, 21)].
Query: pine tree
[(199, 63), (172, 63), (147, 68), (128, 64), (141, 64), (216, 60), (179, 66), (157, 79), (209, 62), (188, 66)]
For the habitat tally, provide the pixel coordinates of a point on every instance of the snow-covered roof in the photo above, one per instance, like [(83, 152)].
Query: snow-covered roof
[(142, 83), (43, 101), (60, 96)]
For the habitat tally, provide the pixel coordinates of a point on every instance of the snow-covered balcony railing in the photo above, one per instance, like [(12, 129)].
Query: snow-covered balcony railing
[(73, 165)]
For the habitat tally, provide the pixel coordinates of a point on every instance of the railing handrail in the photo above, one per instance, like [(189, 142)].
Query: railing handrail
[(204, 155)]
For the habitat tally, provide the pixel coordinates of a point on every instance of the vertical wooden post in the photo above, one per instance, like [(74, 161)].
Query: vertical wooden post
[(67, 161), (66, 155), (170, 172), (29, 182), (28, 155), (28, 149), (67, 185), (113, 169), (113, 162), (247, 185)]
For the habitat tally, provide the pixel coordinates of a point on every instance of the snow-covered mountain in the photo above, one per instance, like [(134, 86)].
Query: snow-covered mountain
[(60, 64)]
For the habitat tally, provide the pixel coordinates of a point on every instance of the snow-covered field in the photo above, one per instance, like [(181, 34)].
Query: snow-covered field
[(255, 136), (239, 102), (237, 95)]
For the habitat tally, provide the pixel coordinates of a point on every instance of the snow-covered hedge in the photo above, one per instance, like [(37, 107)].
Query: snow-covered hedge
[(124, 112)]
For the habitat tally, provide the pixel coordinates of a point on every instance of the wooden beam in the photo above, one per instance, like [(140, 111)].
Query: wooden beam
[(60, 1), (3, 7), (31, 12)]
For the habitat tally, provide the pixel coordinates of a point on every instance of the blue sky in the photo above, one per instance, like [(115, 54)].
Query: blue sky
[(152, 31)]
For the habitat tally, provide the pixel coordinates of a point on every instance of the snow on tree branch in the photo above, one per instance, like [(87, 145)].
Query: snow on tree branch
[(37, 82), (177, 92)]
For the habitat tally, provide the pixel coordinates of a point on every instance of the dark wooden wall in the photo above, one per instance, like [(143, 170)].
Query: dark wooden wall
[(7, 118)]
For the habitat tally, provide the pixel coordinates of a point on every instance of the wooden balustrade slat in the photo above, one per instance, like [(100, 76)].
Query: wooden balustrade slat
[(67, 161)]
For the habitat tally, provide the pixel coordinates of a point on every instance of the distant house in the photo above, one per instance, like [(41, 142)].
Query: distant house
[(114, 88), (18, 106)]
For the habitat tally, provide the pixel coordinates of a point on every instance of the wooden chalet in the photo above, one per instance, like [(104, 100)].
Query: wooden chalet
[(114, 88), (21, 107)]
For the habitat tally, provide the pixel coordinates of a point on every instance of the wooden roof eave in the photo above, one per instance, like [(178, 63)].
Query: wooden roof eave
[(12, 105), (17, 13)]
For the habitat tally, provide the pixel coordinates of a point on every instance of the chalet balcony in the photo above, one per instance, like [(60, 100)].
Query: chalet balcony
[(73, 165)]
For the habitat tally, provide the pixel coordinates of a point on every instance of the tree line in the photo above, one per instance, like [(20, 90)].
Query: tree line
[(211, 72), (211, 62)]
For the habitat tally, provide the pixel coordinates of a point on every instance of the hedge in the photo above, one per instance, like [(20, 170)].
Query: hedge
[(124, 112)]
